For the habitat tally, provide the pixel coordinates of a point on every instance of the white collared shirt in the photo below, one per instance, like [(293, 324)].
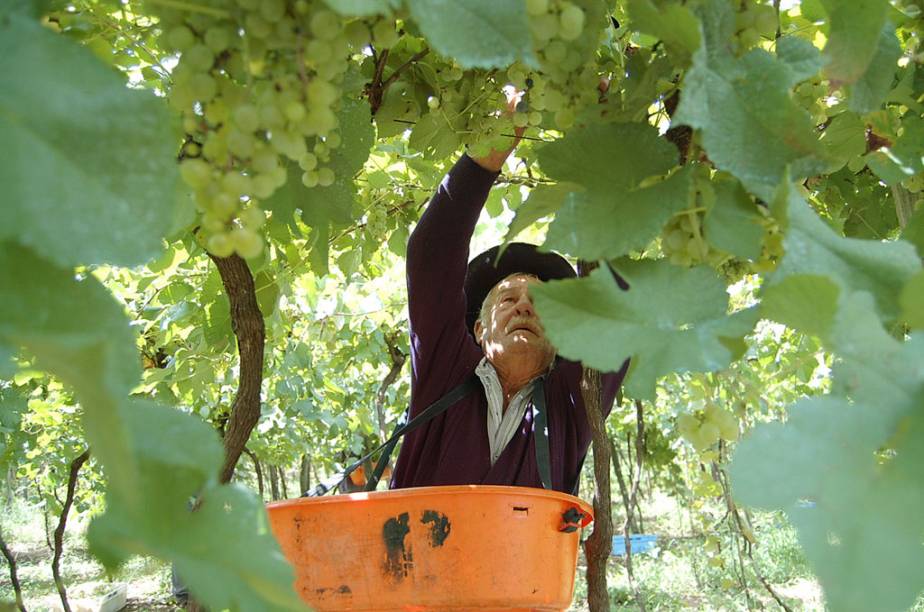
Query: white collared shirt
[(501, 425)]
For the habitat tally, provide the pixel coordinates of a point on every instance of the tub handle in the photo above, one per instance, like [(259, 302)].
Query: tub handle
[(571, 520)]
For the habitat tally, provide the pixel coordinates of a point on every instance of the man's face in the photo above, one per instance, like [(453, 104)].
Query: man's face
[(509, 331)]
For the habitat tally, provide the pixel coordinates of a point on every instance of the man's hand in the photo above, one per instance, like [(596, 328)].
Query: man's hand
[(494, 161)]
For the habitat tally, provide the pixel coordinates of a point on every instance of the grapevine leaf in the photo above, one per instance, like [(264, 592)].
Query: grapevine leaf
[(812, 247), (750, 125), (267, 292), (844, 139), (801, 57), (223, 548), (334, 203), (827, 453), (733, 224), (855, 31), (543, 201), (870, 90), (613, 213), (87, 164), (673, 23), (903, 159), (592, 320), (476, 33), (914, 230), (77, 331), (363, 8), (912, 302), (785, 302)]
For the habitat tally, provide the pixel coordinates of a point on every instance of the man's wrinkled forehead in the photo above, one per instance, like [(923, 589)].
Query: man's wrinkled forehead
[(512, 281)]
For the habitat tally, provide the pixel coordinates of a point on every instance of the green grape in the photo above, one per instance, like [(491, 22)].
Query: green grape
[(765, 21), (572, 21), (520, 119), (247, 243), (215, 147), (199, 57), (319, 121), (384, 35), (212, 224), (195, 172), (202, 87), (748, 38), (224, 206), (235, 184), (535, 118), (687, 425), (544, 27), (564, 118), (310, 178), (321, 92), (556, 52), (318, 52), (264, 160), (180, 38), (256, 26), (264, 185), (308, 161), (246, 118), (216, 111), (333, 141), (240, 144), (272, 10), (220, 245), (325, 25), (358, 34), (217, 38), (270, 116), (253, 218), (295, 111), (916, 183), (325, 177), (537, 7)]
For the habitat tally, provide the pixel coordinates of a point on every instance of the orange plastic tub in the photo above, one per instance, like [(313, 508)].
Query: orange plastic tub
[(433, 548)]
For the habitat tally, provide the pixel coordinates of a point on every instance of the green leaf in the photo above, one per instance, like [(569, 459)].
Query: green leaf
[(870, 90), (912, 302), (267, 292), (363, 8), (903, 159), (542, 202), (476, 33), (614, 213), (671, 22), (801, 57), (826, 453), (78, 332), (733, 224), (812, 247), (914, 230), (751, 127), (88, 165), (844, 139), (788, 302), (853, 37), (592, 320), (223, 549)]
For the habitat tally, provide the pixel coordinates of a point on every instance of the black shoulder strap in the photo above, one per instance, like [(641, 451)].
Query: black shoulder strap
[(432, 411), (541, 433)]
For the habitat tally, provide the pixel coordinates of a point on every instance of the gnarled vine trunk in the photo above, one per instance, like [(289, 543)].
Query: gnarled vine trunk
[(14, 574), (247, 324), (76, 464)]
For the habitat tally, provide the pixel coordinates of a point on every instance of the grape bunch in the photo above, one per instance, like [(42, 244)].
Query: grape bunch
[(771, 252), (706, 427), (682, 239), (755, 22), (811, 95), (258, 83)]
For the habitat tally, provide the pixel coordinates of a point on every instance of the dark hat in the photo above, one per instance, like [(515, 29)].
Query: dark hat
[(487, 269)]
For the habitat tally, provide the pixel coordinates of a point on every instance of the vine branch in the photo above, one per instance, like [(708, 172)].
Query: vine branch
[(248, 327), (76, 464)]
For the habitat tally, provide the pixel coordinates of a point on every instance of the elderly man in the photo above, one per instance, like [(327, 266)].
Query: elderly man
[(520, 420)]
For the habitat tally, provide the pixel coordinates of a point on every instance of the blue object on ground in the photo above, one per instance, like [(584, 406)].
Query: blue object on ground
[(640, 543)]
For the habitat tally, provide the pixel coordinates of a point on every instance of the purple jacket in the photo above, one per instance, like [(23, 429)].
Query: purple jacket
[(453, 448)]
